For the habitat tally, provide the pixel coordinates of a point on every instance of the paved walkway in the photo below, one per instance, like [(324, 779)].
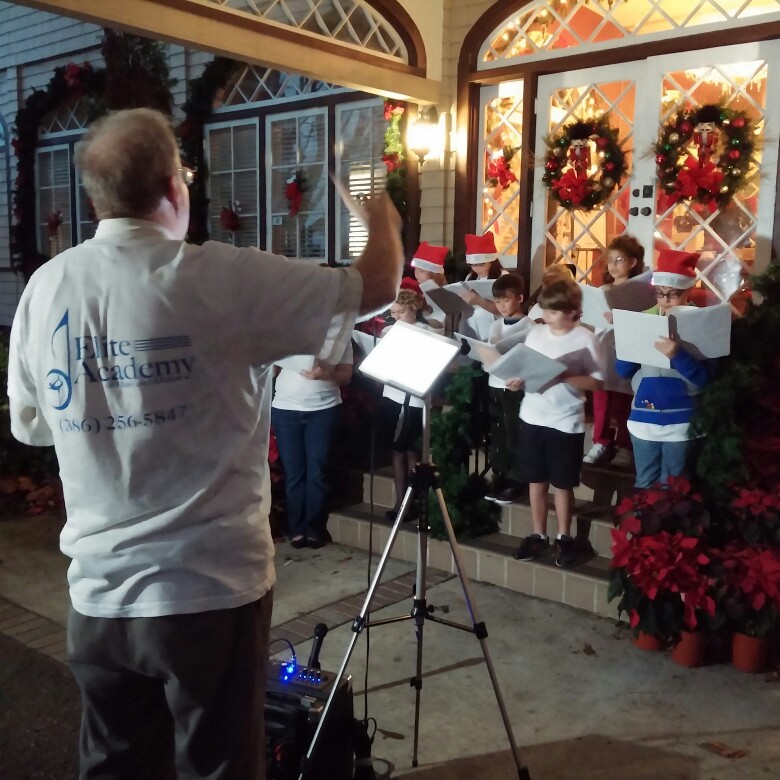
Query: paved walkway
[(582, 700)]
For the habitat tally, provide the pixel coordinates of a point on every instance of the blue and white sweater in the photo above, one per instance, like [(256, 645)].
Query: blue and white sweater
[(665, 396)]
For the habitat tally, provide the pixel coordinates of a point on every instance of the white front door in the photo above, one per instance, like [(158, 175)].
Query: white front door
[(639, 98)]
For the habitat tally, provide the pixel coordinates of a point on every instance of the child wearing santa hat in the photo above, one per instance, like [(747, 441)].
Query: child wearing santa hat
[(665, 398), (482, 259), (428, 265)]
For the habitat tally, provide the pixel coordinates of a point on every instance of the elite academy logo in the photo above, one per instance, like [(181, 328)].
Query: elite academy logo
[(113, 362)]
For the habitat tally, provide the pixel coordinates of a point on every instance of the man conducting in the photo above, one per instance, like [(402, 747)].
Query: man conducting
[(146, 362)]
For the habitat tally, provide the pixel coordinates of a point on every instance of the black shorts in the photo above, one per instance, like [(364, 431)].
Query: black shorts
[(548, 455), (408, 429)]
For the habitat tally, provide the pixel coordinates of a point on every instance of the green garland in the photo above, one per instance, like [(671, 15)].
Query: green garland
[(732, 159), (573, 188), (394, 156), (136, 74), (198, 108)]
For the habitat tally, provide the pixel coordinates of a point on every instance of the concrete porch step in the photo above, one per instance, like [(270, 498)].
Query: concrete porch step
[(487, 559), (593, 520)]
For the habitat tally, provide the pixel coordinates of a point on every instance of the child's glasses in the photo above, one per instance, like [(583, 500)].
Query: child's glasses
[(668, 295)]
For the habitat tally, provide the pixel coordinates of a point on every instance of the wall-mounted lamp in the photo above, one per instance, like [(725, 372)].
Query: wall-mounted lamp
[(423, 134)]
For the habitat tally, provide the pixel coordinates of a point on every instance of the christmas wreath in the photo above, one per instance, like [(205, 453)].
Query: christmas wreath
[(293, 191), (568, 160), (725, 155)]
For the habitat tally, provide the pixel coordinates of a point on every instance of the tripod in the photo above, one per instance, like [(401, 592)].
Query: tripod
[(425, 477)]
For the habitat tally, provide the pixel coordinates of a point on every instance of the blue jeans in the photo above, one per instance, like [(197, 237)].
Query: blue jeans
[(305, 440), (655, 461)]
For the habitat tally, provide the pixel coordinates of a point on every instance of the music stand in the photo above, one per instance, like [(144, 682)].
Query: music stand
[(412, 359)]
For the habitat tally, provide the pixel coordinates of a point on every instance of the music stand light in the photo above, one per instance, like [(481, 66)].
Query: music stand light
[(411, 359)]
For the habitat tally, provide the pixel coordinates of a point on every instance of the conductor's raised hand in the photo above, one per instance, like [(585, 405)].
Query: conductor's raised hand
[(382, 260)]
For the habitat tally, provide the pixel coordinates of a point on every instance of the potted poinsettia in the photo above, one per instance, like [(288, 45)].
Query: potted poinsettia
[(756, 513), (663, 582), (749, 587)]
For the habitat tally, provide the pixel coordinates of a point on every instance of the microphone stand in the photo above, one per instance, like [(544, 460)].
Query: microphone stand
[(425, 477)]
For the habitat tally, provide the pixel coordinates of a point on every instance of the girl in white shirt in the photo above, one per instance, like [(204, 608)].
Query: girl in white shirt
[(305, 414)]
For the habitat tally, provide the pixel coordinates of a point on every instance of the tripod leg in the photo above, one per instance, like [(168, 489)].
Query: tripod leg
[(480, 630), (358, 624), (419, 613)]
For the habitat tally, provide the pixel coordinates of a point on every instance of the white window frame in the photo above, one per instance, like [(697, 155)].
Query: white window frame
[(269, 167), (207, 156), (41, 150)]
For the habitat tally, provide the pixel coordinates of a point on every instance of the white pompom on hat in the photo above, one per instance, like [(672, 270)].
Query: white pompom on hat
[(675, 269), (480, 249), (429, 257)]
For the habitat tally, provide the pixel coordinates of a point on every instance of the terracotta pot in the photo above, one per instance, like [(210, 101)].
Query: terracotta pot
[(647, 641), (691, 649), (750, 653)]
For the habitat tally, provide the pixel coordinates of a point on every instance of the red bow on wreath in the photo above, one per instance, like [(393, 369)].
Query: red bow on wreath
[(391, 160), (572, 186), (694, 177)]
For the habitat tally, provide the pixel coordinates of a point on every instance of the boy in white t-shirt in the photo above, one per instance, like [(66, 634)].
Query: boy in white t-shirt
[(552, 423)]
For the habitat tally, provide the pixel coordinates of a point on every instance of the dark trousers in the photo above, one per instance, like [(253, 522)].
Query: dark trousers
[(504, 410), (173, 696), (305, 441)]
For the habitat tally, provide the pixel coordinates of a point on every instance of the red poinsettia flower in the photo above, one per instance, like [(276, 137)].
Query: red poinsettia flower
[(392, 109), (294, 195), (392, 161)]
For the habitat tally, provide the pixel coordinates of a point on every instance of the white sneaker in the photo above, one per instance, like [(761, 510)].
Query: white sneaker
[(598, 453), (623, 458)]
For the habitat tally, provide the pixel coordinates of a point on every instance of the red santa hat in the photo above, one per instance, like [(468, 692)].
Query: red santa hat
[(407, 283), (480, 249), (430, 258), (675, 269)]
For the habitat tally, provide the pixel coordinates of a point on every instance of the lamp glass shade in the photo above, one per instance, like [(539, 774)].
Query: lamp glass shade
[(423, 136)]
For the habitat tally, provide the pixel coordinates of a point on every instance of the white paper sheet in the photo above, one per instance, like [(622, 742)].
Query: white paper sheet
[(703, 332), (636, 334), (483, 287), (637, 294), (535, 369), (594, 304), (447, 301), (365, 341)]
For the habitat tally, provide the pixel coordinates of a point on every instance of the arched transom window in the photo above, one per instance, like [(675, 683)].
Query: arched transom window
[(253, 84), (347, 21), (550, 28)]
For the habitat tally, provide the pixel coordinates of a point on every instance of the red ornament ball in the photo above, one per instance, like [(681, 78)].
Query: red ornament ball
[(660, 159), (610, 166), (734, 154), (738, 122), (551, 165), (685, 126), (602, 142)]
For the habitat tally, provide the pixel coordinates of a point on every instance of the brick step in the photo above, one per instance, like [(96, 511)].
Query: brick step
[(487, 559)]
